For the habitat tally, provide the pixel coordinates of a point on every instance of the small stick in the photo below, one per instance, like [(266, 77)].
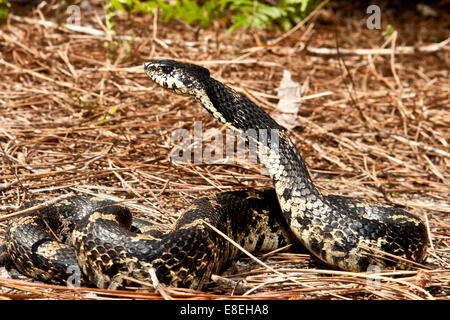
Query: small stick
[(236, 284), (398, 50), (393, 50), (155, 283), (390, 255), (300, 24), (158, 286), (427, 223), (39, 206), (422, 146), (7, 185), (250, 255), (276, 250)]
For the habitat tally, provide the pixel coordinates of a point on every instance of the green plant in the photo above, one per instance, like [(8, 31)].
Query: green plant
[(388, 32), (248, 13), (243, 13), (103, 119), (112, 42), (4, 9), (189, 11)]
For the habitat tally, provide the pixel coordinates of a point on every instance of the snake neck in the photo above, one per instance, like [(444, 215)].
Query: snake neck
[(275, 149)]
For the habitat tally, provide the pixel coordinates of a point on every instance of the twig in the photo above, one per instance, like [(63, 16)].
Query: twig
[(398, 50), (39, 206), (300, 24), (72, 27), (253, 257), (427, 223), (246, 61), (393, 256), (237, 285), (158, 287), (244, 250), (7, 185), (393, 50), (155, 284), (422, 146), (41, 76)]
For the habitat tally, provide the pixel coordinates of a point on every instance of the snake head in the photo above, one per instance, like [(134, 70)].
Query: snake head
[(183, 78)]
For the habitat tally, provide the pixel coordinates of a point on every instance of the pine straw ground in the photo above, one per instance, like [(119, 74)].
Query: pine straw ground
[(79, 118)]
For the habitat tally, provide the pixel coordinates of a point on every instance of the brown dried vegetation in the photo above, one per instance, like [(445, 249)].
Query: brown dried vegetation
[(78, 118)]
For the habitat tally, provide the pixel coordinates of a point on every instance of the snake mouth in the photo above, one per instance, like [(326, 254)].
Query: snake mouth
[(160, 74), (182, 78), (167, 76)]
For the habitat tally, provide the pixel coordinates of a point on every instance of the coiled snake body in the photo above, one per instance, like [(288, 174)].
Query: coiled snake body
[(101, 238)]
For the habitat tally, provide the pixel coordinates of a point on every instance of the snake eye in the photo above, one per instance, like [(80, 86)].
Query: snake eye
[(166, 69)]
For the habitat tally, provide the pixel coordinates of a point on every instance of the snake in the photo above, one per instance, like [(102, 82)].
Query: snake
[(111, 249)]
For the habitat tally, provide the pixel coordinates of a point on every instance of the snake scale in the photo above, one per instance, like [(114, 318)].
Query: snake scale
[(111, 248)]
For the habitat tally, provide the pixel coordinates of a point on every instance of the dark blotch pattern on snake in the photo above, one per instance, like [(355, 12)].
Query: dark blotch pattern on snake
[(110, 248)]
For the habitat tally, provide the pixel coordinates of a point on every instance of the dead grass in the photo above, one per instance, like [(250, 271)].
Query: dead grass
[(379, 129)]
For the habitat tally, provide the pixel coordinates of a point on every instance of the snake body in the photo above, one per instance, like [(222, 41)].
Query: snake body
[(346, 233), (101, 237)]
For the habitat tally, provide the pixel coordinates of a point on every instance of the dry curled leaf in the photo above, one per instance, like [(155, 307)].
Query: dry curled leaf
[(289, 103)]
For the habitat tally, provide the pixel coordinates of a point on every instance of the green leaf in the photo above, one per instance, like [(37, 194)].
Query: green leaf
[(145, 6), (272, 12), (389, 31), (304, 5), (4, 9), (286, 24), (117, 5), (244, 13)]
